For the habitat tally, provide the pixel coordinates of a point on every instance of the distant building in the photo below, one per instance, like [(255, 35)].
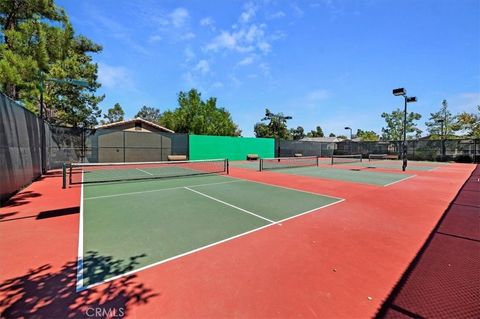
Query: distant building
[(136, 125), (322, 139), (134, 140)]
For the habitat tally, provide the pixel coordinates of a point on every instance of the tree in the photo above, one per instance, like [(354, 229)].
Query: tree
[(317, 133), (149, 113), (469, 123), (38, 41), (297, 133), (331, 135), (367, 135), (114, 114), (196, 116), (394, 128), (344, 137), (434, 128), (276, 127)]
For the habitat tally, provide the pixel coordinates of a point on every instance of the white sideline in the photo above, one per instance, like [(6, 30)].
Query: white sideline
[(401, 180), (79, 284), (81, 288)]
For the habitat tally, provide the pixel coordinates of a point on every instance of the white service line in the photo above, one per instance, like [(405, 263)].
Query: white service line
[(228, 204), (79, 284), (159, 190), (284, 187), (403, 179), (141, 170)]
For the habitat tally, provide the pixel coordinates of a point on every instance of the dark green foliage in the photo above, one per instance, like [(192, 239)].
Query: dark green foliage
[(196, 116), (297, 133), (367, 135), (394, 129), (317, 133), (276, 127), (114, 114), (149, 113), (37, 40)]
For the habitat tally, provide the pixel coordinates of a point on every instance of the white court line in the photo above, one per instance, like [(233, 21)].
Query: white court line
[(79, 284), (203, 247), (158, 190), (289, 188), (228, 204), (141, 170), (401, 180)]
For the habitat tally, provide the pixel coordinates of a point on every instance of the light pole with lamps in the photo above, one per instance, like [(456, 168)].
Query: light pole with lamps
[(350, 142), (349, 128), (442, 137), (403, 92)]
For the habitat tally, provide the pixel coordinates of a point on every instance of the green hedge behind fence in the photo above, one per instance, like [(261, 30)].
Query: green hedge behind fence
[(233, 148)]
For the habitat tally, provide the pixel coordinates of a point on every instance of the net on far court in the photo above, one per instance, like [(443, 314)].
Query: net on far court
[(342, 159), (377, 157), (78, 173), (287, 162)]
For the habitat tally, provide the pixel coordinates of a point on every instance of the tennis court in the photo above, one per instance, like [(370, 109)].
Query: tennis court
[(308, 166), (156, 220)]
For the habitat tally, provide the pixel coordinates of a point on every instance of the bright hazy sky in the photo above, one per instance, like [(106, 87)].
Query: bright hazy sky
[(329, 63)]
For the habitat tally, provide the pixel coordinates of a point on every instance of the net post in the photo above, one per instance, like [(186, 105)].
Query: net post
[(332, 159), (260, 165), (227, 166), (64, 176), (317, 160), (70, 173)]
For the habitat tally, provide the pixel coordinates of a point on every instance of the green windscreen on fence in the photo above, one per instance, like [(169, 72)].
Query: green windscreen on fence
[(233, 148)]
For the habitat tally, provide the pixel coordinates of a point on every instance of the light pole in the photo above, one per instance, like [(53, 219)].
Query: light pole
[(350, 142), (349, 128), (43, 142), (442, 121), (403, 92)]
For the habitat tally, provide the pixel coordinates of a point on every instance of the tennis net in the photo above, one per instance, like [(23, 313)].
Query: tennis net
[(78, 173), (341, 159), (377, 157), (287, 162)]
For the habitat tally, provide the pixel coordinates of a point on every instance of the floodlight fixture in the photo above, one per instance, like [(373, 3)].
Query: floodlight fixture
[(411, 99), (399, 92)]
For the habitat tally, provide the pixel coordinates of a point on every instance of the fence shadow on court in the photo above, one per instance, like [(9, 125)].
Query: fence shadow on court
[(44, 293)]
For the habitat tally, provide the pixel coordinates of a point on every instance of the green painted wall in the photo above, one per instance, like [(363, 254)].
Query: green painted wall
[(233, 148)]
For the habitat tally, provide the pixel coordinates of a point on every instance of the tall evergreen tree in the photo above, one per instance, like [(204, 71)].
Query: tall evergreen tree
[(434, 127), (114, 114), (149, 113), (276, 127), (37, 42)]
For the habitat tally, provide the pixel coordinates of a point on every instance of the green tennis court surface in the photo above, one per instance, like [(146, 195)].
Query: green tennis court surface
[(356, 176), (153, 221), (394, 165)]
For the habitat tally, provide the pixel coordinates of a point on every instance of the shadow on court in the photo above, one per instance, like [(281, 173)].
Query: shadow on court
[(44, 293)]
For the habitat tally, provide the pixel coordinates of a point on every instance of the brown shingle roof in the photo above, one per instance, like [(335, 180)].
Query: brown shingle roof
[(134, 121)]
